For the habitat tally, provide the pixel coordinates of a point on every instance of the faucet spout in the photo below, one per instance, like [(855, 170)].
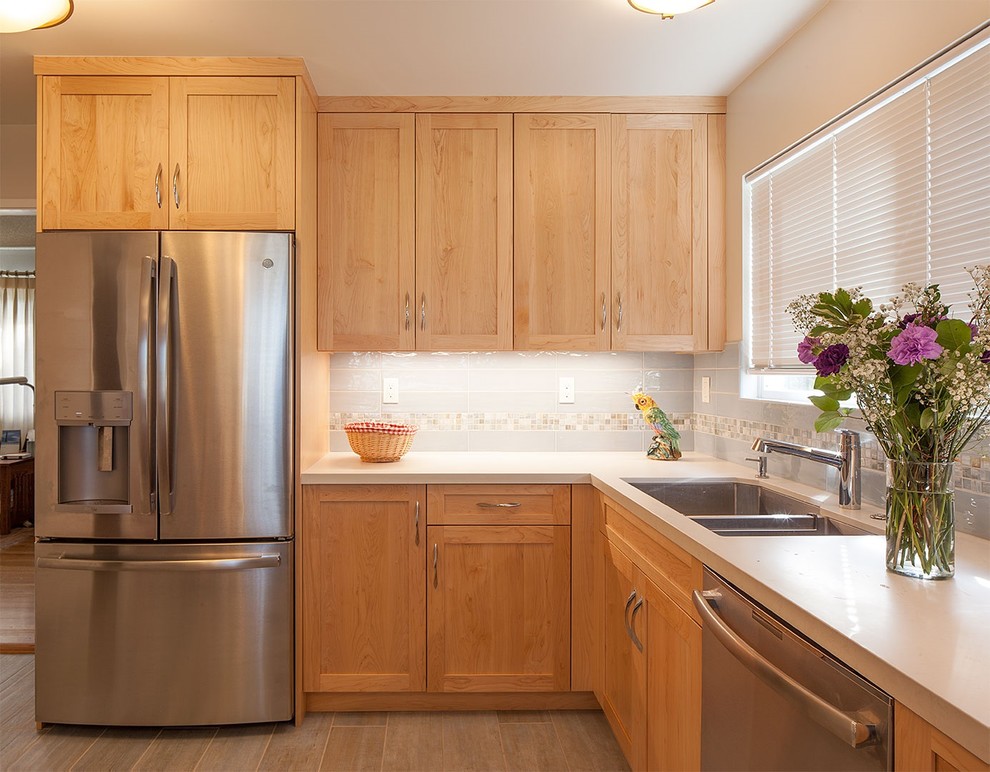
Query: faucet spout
[(848, 460)]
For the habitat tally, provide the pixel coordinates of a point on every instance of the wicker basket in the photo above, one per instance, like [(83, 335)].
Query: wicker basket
[(378, 442)]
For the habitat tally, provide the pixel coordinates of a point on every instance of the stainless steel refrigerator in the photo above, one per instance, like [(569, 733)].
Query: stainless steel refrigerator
[(164, 478)]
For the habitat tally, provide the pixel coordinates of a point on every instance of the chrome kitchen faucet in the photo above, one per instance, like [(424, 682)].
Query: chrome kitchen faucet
[(847, 460)]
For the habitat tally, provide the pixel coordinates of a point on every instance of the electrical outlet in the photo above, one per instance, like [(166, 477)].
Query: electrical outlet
[(390, 391), (566, 391), (706, 389)]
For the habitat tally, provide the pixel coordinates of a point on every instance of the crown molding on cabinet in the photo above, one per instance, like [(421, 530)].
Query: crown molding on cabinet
[(522, 104)]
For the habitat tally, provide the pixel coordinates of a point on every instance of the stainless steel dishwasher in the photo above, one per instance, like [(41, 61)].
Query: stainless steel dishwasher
[(773, 700)]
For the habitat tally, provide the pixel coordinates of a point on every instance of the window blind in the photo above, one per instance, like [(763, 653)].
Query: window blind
[(894, 191)]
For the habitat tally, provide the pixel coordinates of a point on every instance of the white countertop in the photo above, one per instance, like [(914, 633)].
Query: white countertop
[(926, 643)]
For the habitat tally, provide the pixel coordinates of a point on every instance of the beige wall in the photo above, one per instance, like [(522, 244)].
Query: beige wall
[(17, 166), (844, 53)]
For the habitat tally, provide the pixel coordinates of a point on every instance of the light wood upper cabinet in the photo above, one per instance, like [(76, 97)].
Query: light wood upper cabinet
[(364, 586), (367, 269), (104, 153), (660, 232), (464, 232), (415, 232), (562, 231), (232, 153), (498, 602), (134, 152)]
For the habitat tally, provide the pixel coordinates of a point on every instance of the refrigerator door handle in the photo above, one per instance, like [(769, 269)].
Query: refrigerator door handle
[(197, 564), (145, 348), (164, 393)]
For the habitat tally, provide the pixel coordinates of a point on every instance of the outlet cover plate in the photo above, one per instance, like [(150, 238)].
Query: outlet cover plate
[(390, 391), (565, 394)]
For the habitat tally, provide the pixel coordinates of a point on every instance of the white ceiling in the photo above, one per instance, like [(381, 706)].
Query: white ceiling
[(430, 47)]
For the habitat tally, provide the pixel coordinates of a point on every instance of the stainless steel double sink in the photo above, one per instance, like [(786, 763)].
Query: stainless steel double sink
[(731, 508)]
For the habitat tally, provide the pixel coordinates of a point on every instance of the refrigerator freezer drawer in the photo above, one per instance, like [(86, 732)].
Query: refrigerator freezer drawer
[(164, 635)]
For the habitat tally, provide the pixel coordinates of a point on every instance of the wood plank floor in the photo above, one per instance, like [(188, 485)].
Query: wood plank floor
[(17, 591), (451, 741)]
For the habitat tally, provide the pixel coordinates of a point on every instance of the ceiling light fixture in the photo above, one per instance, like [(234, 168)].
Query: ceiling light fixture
[(667, 9), (21, 15)]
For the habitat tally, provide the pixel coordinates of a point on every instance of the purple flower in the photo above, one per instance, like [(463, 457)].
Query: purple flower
[(913, 345), (907, 319), (985, 357), (974, 329), (830, 361), (806, 350)]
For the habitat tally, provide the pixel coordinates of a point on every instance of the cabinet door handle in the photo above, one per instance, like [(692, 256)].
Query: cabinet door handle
[(625, 613), (407, 311), (158, 186), (604, 313), (504, 505), (436, 558), (422, 312), (618, 316), (632, 625), (175, 186), (417, 522)]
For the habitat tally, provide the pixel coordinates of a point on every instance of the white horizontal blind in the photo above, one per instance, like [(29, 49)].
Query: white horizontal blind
[(896, 191)]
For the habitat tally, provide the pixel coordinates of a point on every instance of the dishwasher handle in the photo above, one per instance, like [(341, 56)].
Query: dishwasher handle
[(842, 725)]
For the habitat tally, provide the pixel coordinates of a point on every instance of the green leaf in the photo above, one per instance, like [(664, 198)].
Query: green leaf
[(841, 396), (904, 375), (816, 332), (901, 396), (826, 404), (927, 419), (863, 307), (953, 334), (843, 300), (828, 421)]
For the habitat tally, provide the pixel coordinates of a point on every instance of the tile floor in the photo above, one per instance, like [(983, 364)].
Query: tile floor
[(503, 740)]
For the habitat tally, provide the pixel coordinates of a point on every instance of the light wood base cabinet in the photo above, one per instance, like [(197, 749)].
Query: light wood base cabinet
[(499, 608), (652, 681), (469, 594), (151, 153), (364, 588), (920, 747)]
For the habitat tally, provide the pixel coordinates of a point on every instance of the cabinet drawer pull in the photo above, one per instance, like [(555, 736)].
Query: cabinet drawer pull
[(407, 310), (417, 523), (422, 312), (505, 505), (604, 313), (632, 625), (625, 613), (618, 317), (158, 186), (175, 186), (436, 558)]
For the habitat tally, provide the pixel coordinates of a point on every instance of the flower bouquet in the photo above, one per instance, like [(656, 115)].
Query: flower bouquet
[(922, 381)]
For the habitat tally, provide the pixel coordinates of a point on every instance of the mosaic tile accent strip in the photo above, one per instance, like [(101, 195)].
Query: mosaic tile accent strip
[(512, 422)]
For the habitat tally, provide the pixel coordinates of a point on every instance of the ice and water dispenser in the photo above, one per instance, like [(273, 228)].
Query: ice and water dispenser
[(93, 437)]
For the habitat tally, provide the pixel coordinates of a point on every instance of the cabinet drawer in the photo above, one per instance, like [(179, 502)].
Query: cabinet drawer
[(499, 504)]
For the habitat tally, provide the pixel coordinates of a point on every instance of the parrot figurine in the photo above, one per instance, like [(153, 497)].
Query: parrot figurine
[(666, 440)]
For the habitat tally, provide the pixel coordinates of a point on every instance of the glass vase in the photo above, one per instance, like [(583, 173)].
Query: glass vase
[(921, 540)]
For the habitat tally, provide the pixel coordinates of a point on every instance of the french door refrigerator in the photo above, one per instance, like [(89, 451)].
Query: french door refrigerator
[(164, 478)]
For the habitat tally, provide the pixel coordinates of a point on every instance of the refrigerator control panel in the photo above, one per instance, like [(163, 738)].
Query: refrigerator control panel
[(99, 408)]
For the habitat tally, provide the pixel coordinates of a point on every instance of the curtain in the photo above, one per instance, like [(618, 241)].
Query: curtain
[(17, 350)]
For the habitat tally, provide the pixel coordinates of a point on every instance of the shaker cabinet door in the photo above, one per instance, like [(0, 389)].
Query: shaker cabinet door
[(104, 153), (562, 215), (464, 232), (367, 229), (364, 585), (232, 143)]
